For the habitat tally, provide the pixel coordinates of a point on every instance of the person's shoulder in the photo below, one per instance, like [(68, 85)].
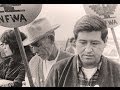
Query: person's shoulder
[(63, 55), (34, 59), (62, 63), (112, 63), (114, 67)]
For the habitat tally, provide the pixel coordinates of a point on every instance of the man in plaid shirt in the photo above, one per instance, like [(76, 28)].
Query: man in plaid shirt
[(83, 80), (89, 68)]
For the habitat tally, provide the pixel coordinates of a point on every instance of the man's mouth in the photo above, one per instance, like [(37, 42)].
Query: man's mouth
[(88, 56)]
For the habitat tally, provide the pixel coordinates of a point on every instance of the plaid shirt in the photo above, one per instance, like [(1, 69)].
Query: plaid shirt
[(82, 79)]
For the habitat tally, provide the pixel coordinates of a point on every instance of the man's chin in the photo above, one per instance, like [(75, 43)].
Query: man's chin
[(89, 61)]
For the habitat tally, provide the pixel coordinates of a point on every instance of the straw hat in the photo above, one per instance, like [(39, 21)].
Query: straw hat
[(37, 29)]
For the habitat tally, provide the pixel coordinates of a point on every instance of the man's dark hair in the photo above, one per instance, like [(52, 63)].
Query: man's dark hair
[(91, 23)]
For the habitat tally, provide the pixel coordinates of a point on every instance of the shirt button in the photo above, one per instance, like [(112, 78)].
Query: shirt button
[(41, 80)]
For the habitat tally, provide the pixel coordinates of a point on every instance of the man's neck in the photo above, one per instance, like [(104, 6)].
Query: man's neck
[(90, 67), (89, 72), (53, 54)]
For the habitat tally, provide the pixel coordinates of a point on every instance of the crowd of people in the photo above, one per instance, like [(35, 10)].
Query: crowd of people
[(81, 65)]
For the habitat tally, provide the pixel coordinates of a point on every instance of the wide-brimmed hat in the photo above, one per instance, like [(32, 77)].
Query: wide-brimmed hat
[(37, 29)]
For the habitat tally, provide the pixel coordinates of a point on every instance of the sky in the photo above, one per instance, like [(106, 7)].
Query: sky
[(63, 14)]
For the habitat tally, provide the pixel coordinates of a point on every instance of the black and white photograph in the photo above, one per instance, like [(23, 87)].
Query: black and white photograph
[(59, 45)]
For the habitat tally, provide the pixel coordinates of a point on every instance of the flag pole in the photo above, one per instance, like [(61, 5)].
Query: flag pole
[(66, 44), (116, 42), (24, 57)]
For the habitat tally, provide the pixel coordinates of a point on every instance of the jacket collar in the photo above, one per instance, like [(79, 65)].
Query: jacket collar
[(70, 79)]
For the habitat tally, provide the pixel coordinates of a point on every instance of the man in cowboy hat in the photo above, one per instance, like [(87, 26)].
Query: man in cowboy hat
[(41, 37)]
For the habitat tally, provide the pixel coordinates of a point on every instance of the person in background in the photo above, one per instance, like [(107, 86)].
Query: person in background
[(2, 54), (12, 70), (88, 68), (41, 37), (71, 49)]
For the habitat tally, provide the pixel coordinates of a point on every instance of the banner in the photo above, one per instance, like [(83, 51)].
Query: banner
[(109, 12), (16, 15)]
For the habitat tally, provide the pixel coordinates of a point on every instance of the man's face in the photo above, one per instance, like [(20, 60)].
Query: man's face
[(6, 49), (90, 46), (43, 47)]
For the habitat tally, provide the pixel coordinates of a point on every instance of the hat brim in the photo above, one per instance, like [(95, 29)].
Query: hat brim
[(28, 41)]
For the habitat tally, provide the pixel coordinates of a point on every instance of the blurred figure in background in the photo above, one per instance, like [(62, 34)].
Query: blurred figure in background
[(2, 54), (12, 70), (71, 49)]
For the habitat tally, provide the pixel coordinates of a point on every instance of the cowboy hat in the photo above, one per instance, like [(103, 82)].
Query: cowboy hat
[(37, 29)]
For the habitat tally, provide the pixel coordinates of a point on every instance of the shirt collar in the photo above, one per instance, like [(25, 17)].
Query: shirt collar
[(57, 55), (79, 64)]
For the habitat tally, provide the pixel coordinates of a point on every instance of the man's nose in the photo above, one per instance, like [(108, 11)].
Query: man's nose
[(88, 48)]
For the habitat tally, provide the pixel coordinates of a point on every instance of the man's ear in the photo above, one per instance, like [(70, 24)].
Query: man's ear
[(52, 38)]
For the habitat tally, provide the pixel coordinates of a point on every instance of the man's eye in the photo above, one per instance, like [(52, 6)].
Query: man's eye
[(95, 43), (34, 44), (82, 42)]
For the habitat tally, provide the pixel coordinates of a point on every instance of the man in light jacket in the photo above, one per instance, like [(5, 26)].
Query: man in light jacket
[(41, 37)]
